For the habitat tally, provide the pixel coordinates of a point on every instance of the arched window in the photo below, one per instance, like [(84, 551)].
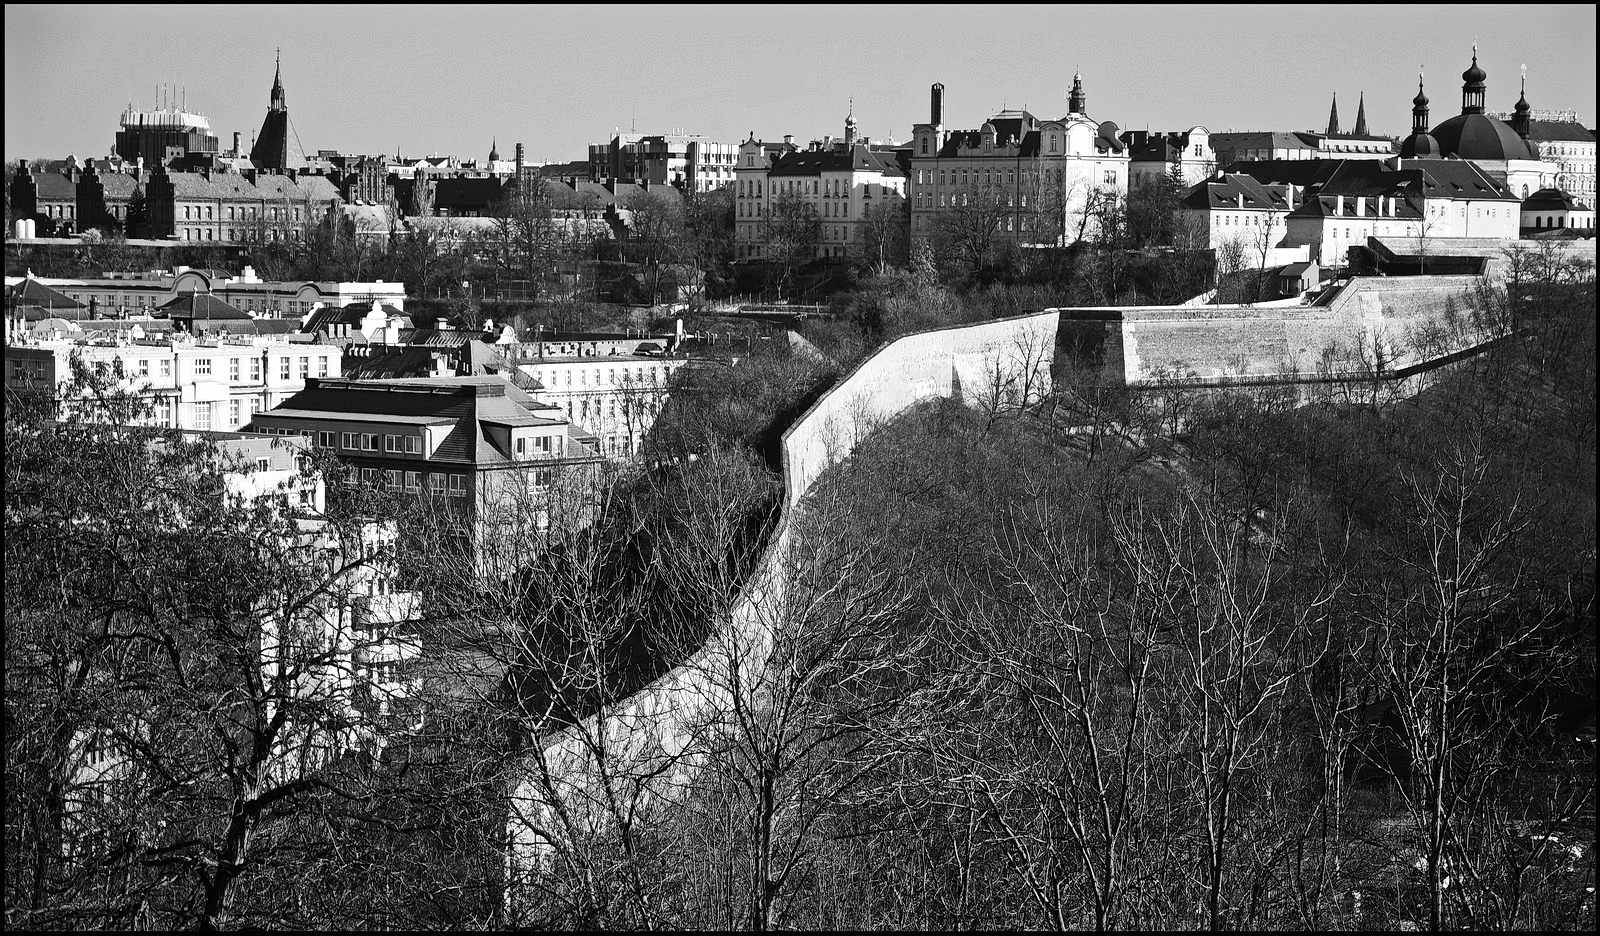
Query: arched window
[(924, 146), (1524, 190)]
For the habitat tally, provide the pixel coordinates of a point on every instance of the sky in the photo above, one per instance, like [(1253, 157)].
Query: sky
[(450, 79)]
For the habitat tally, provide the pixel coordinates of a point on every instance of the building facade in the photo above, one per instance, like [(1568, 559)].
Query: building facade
[(687, 162), (479, 444), (206, 384), (616, 396), (847, 185), (1044, 177)]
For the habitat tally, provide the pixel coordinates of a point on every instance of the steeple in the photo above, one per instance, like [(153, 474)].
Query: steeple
[(1520, 118), (494, 150), (1077, 101), (279, 102), (1361, 116), (1473, 88), (1419, 109), (1333, 117), (850, 124)]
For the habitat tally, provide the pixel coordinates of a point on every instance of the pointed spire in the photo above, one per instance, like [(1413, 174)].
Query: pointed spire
[(494, 150), (1333, 117), (1361, 116), (1419, 108), (279, 100)]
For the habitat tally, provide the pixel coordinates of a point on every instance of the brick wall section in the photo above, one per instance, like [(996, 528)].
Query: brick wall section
[(663, 731)]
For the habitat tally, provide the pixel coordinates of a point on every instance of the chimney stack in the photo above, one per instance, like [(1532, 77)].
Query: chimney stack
[(937, 116), (236, 143)]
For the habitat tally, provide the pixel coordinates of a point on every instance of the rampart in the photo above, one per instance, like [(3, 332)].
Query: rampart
[(611, 765), (1372, 325)]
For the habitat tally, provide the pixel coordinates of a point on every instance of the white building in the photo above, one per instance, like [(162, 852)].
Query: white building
[(600, 386), (139, 294), (214, 384)]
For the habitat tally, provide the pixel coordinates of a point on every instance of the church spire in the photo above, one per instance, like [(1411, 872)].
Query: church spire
[(279, 102), (494, 150), (1333, 117), (850, 124), (1361, 116), (1077, 101)]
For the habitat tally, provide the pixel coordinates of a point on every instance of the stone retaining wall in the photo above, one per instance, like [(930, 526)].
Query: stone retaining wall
[(617, 762)]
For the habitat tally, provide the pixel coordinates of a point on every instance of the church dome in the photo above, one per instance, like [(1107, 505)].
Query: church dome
[(1480, 137), (1420, 146), (1421, 100), (1474, 75)]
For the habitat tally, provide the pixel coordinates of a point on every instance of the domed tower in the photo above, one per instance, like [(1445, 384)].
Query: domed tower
[(494, 150), (850, 125), (1521, 114), (1077, 101), (1420, 144), (1473, 87)]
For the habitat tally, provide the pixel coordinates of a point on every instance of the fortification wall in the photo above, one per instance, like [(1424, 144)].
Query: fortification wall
[(1409, 319), (663, 732)]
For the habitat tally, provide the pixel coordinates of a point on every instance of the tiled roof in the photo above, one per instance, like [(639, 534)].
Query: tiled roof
[(202, 306), (54, 186), (1227, 191), (1559, 131), (32, 292), (815, 162), (1549, 199)]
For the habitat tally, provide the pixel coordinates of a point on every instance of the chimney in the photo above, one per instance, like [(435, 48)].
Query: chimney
[(1338, 204), (236, 143), (936, 115), (1361, 206)]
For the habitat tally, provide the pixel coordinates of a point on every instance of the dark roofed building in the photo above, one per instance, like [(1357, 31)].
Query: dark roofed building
[(477, 443), (203, 313)]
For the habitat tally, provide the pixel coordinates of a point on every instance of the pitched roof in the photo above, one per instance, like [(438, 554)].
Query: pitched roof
[(1550, 199), (468, 402), (1559, 131), (197, 305), (1237, 190), (54, 186), (32, 292), (857, 158)]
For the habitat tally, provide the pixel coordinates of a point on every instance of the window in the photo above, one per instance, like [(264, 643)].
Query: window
[(391, 443), (391, 479), (435, 483), (325, 439), (202, 415), (544, 445), (369, 475), (144, 367), (255, 370), (283, 369), (233, 412), (166, 367), (305, 368), (413, 481), (262, 464), (458, 485), (322, 366), (413, 445), (233, 369), (369, 442), (202, 367), (347, 440)]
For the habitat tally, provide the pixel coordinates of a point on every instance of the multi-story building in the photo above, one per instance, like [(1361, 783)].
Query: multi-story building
[(206, 384), (245, 206), (139, 294), (479, 443), (1416, 199), (1233, 207), (843, 181), (688, 162), (602, 383), (1044, 177), (1186, 155), (157, 136)]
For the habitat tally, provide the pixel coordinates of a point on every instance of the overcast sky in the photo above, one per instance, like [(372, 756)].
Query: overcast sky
[(449, 79)]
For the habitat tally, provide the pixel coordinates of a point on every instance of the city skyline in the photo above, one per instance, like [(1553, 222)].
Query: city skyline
[(558, 80)]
